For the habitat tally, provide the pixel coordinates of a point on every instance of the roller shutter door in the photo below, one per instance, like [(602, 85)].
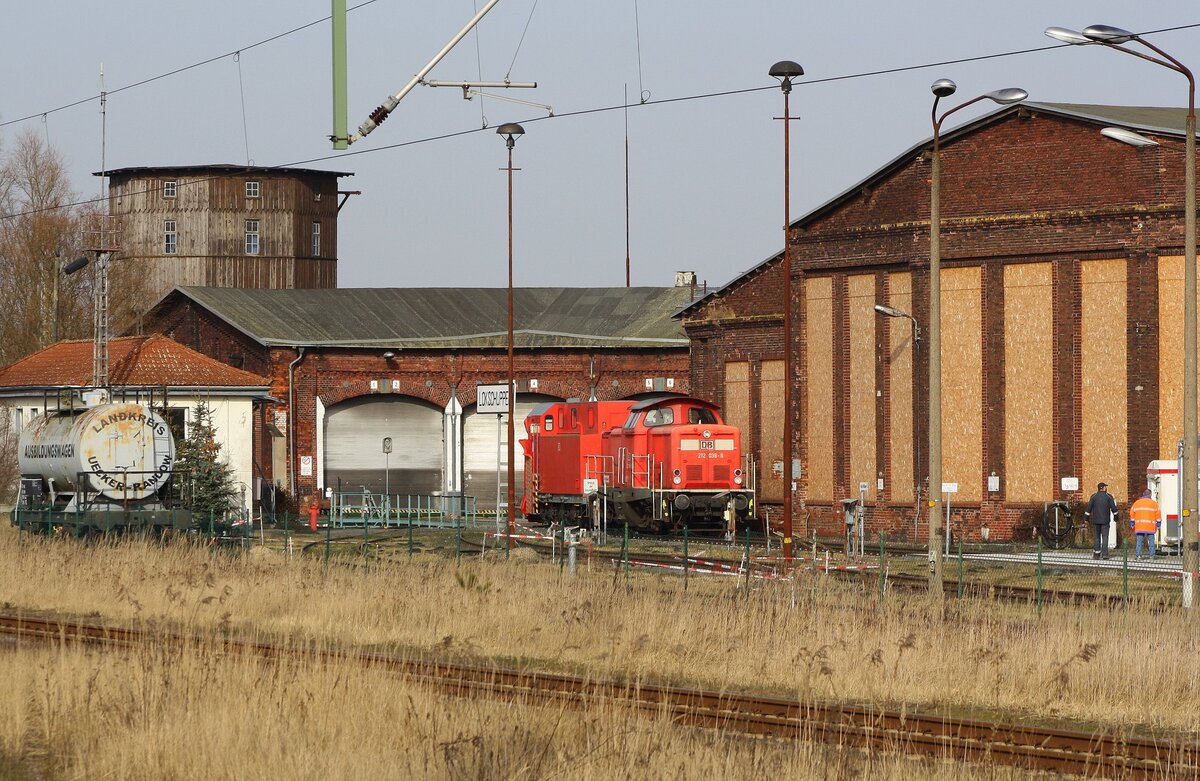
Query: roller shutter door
[(480, 451), (354, 432)]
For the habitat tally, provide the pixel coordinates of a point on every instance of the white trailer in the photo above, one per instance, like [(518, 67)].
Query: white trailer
[(1162, 478)]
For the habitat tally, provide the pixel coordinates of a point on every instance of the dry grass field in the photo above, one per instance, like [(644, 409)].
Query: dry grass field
[(76, 714)]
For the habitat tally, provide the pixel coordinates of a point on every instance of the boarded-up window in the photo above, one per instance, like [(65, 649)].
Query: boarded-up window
[(1170, 355), (1102, 354), (737, 397), (962, 383), (1028, 383), (900, 369), (861, 294), (770, 431), (819, 384)]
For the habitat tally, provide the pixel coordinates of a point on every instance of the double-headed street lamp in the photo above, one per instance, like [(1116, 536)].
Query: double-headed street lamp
[(511, 131), (785, 71), (1114, 38), (942, 88)]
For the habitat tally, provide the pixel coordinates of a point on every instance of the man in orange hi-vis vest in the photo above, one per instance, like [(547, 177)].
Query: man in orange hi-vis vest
[(1144, 521)]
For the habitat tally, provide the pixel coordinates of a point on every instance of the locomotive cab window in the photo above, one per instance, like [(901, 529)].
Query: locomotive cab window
[(702, 416), (660, 417), (549, 423), (632, 420)]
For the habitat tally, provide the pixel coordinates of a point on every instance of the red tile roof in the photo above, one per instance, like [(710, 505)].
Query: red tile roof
[(133, 361)]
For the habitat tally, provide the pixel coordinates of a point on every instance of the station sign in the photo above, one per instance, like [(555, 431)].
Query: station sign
[(491, 399)]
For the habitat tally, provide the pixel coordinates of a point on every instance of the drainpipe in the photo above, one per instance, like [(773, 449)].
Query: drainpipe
[(292, 424)]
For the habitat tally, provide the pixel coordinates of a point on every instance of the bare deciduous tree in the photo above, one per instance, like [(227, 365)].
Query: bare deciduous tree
[(9, 472), (38, 230)]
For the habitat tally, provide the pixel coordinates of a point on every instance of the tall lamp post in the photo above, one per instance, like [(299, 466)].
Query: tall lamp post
[(891, 311), (1113, 38), (942, 88), (785, 71), (510, 131)]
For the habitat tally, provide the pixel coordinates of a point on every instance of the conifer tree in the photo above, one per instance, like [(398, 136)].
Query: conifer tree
[(208, 476)]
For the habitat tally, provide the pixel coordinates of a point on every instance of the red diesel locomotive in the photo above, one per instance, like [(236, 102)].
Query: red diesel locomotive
[(658, 465)]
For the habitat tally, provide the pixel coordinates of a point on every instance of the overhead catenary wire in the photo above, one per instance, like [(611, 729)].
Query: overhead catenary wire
[(237, 57), (184, 68), (643, 95), (556, 115), (479, 66), (301, 28), (508, 74)]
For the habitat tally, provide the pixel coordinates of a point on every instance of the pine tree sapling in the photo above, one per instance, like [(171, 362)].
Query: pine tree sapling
[(208, 477)]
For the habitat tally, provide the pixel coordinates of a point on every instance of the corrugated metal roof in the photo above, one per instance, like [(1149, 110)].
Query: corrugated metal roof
[(1151, 119), (134, 361), (440, 318)]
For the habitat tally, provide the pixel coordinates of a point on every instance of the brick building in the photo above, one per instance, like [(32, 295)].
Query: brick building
[(1061, 325), (352, 366)]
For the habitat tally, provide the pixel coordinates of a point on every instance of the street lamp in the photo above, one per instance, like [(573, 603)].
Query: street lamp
[(942, 88), (1113, 38), (785, 71), (510, 131)]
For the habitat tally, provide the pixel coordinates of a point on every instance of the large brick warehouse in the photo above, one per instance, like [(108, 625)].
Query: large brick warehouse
[(1062, 332), (349, 367)]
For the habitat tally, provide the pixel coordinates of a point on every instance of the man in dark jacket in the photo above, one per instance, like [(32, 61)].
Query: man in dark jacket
[(1100, 511)]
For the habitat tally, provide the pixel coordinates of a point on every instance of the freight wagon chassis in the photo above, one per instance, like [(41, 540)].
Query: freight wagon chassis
[(114, 520)]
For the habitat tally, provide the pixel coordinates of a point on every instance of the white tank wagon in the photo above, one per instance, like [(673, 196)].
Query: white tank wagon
[(123, 452), (99, 467)]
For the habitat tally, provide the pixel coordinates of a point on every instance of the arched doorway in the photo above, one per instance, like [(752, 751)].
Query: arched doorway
[(354, 432)]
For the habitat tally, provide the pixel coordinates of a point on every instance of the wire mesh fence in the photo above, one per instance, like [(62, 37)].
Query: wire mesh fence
[(1033, 572)]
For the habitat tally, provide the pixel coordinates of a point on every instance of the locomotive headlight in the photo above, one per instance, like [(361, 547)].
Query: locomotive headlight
[(737, 477), (676, 480)]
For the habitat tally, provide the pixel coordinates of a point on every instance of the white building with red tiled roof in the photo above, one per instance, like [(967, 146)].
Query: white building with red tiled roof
[(150, 369)]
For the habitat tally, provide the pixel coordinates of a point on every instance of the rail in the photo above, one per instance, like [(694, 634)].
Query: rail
[(1085, 752)]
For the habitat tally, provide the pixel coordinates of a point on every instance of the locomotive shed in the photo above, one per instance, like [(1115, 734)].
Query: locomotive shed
[(352, 366)]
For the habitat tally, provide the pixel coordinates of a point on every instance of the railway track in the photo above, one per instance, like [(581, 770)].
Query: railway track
[(916, 583), (1091, 753)]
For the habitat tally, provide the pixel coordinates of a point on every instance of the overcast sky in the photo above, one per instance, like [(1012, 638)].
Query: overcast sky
[(706, 178)]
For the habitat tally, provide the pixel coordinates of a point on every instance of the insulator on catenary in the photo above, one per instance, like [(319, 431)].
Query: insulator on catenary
[(379, 114)]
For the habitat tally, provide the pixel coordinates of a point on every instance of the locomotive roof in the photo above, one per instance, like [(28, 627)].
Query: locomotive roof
[(441, 318), (663, 401)]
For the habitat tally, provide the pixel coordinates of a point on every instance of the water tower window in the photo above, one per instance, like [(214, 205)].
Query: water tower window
[(252, 189), (170, 187), (251, 237), (170, 238)]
